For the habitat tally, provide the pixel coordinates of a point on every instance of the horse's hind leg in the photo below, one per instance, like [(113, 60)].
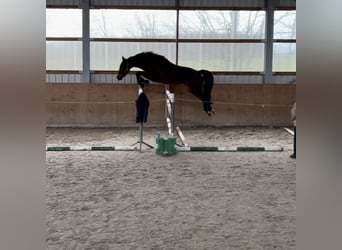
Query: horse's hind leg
[(207, 88), (140, 79), (207, 105), (206, 99), (207, 108)]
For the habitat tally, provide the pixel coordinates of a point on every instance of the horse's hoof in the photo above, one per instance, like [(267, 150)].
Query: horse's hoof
[(210, 113)]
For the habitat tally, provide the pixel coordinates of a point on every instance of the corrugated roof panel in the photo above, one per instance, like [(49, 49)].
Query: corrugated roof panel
[(132, 3), (223, 3), (71, 3), (172, 3), (285, 4)]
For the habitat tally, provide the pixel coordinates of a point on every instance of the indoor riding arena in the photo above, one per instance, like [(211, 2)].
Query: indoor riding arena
[(192, 150)]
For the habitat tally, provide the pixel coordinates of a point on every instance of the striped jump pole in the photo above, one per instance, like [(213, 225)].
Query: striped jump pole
[(170, 111), (182, 137), (229, 149), (291, 132), (170, 116), (91, 148)]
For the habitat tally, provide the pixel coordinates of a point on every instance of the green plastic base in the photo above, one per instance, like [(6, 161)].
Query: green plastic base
[(166, 146)]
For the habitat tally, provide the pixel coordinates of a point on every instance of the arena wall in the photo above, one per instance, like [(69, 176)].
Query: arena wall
[(113, 105)]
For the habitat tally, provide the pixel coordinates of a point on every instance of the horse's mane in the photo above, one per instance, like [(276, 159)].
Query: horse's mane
[(148, 55)]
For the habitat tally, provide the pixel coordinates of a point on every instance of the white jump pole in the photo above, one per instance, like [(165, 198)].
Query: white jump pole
[(91, 148), (289, 131)]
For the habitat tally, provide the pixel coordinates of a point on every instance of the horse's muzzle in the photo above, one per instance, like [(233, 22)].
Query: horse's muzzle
[(119, 77)]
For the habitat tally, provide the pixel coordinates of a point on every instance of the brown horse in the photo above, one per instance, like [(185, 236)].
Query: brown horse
[(157, 68)]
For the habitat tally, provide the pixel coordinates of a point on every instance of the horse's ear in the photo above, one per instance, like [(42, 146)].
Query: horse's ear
[(123, 59)]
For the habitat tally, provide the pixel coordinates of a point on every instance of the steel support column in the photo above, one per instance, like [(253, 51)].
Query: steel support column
[(85, 41), (268, 61)]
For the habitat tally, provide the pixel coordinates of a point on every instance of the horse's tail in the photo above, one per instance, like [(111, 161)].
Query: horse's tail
[(208, 83)]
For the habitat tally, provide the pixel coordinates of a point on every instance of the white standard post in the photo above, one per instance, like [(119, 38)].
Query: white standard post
[(140, 91), (172, 101), (170, 111)]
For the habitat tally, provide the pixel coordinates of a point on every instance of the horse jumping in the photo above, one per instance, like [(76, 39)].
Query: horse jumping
[(157, 68)]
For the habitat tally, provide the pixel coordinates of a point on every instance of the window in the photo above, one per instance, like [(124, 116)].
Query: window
[(285, 24), (284, 57), (107, 55), (284, 46), (63, 23), (114, 35), (222, 41), (63, 55), (64, 34), (222, 24), (222, 57), (140, 24)]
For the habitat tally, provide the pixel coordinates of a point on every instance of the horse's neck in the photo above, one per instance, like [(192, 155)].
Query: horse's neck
[(136, 61)]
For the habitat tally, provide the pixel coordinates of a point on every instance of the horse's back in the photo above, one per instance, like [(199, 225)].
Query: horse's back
[(162, 70)]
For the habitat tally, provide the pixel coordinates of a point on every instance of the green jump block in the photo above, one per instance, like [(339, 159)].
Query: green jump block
[(166, 146)]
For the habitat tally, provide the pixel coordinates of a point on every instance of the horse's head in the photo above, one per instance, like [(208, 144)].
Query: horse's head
[(124, 69)]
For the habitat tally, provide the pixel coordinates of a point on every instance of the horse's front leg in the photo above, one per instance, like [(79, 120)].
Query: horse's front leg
[(140, 79)]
